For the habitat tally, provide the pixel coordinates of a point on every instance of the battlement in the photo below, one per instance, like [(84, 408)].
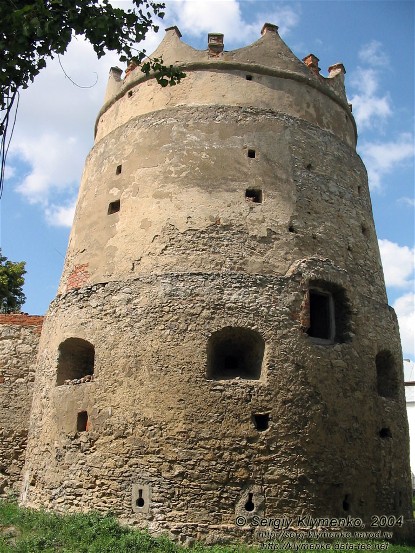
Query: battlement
[(266, 64)]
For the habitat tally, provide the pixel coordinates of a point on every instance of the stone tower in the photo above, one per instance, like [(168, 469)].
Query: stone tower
[(221, 343)]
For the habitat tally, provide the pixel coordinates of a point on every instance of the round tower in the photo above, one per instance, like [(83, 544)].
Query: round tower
[(221, 344)]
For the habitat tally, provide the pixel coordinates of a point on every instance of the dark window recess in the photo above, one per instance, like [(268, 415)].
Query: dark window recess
[(82, 421), (386, 376), (249, 505), (114, 207), (130, 93), (329, 312), (261, 422), (235, 352), (346, 503), (253, 195), (140, 500), (321, 316), (365, 230), (76, 360), (385, 433), (291, 229), (118, 169), (248, 77), (251, 153)]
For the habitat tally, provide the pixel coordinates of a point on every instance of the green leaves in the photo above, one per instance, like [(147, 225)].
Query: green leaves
[(32, 31), (11, 283)]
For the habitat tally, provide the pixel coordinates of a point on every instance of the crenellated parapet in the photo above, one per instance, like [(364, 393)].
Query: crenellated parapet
[(270, 67)]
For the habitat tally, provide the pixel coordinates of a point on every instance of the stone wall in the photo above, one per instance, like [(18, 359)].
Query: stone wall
[(19, 339)]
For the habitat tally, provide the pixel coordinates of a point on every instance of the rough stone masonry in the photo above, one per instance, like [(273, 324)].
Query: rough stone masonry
[(221, 348), (19, 340)]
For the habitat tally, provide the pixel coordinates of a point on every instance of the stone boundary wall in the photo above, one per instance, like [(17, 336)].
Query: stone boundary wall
[(19, 340)]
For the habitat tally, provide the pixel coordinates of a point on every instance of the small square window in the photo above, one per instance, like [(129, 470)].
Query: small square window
[(114, 207), (251, 153), (253, 195), (118, 170), (261, 422), (248, 77)]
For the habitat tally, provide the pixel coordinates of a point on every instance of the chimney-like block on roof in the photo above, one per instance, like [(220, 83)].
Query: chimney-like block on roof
[(175, 30), (335, 69), (115, 72), (114, 82), (269, 28), (215, 44), (311, 62)]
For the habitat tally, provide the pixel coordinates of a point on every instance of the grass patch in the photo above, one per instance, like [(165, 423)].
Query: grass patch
[(30, 531)]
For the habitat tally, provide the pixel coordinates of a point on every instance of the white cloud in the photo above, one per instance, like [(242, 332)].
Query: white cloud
[(408, 201), (398, 267), (225, 16), (54, 130), (60, 215), (398, 263), (372, 54), (405, 311), (381, 158), (369, 107), (9, 172), (55, 161)]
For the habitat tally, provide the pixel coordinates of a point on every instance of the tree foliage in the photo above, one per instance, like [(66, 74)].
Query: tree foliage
[(33, 31), (11, 283)]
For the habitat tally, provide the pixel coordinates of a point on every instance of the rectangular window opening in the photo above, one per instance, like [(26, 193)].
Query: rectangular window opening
[(251, 153), (82, 421), (248, 77), (114, 207), (321, 316), (261, 422), (118, 170), (253, 195)]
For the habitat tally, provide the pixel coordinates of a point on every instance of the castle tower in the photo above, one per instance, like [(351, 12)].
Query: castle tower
[(221, 343)]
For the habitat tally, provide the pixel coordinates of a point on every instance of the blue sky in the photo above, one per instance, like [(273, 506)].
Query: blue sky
[(54, 129)]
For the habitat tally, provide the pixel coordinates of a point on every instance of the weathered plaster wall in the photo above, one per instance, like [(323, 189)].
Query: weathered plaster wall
[(19, 340)]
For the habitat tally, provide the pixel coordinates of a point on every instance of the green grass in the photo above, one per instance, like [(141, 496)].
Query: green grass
[(30, 531)]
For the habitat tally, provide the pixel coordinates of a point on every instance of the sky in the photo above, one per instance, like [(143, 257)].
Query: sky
[(55, 121)]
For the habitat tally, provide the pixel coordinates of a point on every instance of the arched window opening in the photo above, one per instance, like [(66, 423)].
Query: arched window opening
[(386, 377), (329, 313), (76, 360), (235, 352)]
